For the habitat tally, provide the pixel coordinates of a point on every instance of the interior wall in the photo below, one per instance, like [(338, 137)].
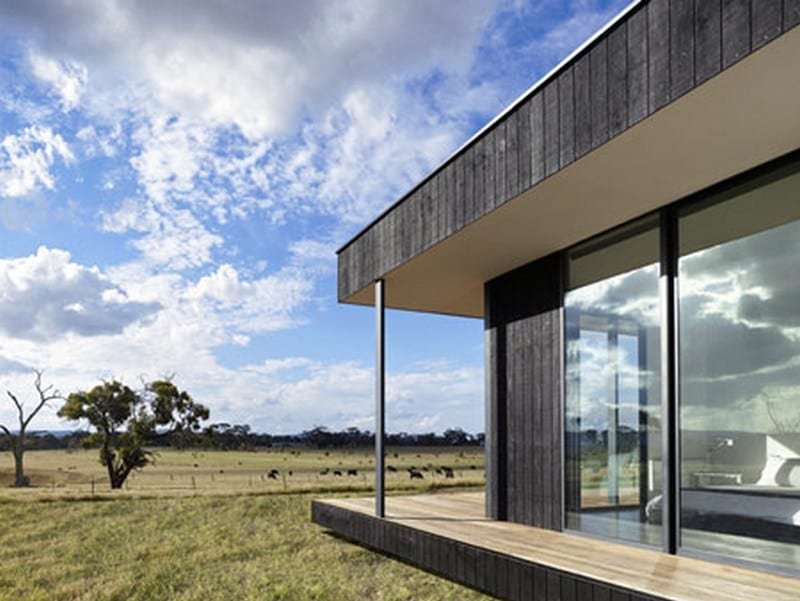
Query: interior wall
[(523, 331)]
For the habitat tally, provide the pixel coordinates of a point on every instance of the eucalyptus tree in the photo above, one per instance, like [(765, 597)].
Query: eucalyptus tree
[(124, 421)]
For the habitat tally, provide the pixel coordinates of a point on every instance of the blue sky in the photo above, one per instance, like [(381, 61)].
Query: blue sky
[(176, 177)]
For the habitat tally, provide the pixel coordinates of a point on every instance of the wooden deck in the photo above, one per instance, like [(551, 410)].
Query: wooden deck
[(417, 529)]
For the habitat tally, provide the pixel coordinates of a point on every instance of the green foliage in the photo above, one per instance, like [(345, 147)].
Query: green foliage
[(124, 421)]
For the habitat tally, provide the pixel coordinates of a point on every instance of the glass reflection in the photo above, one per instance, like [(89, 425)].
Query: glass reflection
[(739, 311), (613, 399)]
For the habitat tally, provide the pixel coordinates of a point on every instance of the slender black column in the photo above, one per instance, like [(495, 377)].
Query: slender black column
[(670, 461), (380, 397)]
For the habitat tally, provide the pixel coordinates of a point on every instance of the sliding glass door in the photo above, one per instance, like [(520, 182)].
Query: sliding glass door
[(613, 403)]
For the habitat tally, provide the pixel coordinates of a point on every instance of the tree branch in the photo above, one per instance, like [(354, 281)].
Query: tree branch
[(45, 396), (18, 405)]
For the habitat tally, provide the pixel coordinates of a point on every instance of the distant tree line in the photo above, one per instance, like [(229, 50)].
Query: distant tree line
[(321, 437), (240, 437)]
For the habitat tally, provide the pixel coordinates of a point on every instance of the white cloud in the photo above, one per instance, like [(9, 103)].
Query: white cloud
[(26, 159), (256, 64), (47, 296), (298, 392), (253, 306), (67, 78), (169, 237), (104, 141), (170, 156)]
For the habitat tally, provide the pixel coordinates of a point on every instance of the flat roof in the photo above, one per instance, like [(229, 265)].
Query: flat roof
[(513, 105)]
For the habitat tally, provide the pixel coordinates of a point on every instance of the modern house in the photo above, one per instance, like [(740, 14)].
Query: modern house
[(629, 232)]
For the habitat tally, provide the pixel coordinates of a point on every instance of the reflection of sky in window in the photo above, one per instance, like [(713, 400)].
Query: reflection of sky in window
[(631, 301), (740, 336), (633, 295)]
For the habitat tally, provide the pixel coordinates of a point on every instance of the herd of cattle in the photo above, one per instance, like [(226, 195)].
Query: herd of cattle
[(413, 472)]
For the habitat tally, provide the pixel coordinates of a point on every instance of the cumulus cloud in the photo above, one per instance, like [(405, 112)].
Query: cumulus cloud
[(253, 306), (298, 391), (253, 64), (26, 159), (47, 296)]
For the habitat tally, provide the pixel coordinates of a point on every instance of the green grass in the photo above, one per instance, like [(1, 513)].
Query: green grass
[(211, 543)]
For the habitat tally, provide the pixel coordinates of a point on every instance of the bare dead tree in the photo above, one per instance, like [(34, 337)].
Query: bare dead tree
[(782, 424), (17, 439)]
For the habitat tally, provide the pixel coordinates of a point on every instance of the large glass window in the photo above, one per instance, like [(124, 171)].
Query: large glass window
[(739, 366), (612, 430)]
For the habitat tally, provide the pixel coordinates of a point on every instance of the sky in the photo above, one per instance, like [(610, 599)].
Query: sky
[(175, 178)]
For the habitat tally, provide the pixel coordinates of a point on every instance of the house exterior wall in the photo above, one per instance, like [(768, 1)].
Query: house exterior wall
[(656, 53), (523, 330)]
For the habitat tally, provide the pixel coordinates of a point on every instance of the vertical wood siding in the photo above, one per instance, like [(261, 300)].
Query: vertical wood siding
[(658, 52), (523, 337)]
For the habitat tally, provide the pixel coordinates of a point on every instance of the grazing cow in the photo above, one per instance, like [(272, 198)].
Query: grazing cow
[(415, 474), (448, 473), (337, 473), (291, 473), (391, 468), (352, 472), (272, 475), (325, 472)]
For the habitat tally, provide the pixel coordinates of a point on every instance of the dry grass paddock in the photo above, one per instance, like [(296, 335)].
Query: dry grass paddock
[(206, 525), (298, 470)]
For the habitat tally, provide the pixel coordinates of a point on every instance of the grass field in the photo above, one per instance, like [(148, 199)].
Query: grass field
[(187, 472), (230, 536)]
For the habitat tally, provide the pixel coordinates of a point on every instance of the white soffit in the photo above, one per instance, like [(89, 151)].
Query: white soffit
[(741, 118)]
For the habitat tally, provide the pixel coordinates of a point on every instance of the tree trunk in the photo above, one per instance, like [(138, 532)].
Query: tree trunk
[(19, 470), (108, 459)]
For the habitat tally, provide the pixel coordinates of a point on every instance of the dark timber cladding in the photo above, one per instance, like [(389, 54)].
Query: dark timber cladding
[(523, 334), (657, 52)]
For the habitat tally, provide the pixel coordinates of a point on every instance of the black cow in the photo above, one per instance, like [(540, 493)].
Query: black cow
[(415, 474)]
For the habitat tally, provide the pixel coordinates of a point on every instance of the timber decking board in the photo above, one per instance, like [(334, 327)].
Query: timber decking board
[(576, 566)]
